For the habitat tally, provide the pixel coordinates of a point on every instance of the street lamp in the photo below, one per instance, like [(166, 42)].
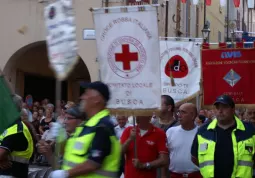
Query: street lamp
[(206, 32)]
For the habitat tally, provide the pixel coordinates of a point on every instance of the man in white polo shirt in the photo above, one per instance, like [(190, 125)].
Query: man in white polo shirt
[(180, 140), (122, 125)]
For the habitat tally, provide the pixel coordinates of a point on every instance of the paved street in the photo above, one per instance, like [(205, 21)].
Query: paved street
[(35, 168)]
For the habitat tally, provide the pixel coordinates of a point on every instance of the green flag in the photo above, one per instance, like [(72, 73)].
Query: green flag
[(8, 110)]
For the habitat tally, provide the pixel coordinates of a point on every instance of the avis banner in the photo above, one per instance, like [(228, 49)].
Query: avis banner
[(61, 37), (181, 60), (128, 53), (230, 72)]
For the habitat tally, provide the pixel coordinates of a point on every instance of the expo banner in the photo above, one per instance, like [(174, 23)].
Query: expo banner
[(230, 72)]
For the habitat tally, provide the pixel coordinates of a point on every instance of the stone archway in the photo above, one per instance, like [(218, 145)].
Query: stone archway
[(30, 65)]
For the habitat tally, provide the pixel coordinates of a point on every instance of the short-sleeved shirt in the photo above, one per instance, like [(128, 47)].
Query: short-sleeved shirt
[(179, 144), (223, 150), (149, 146), (46, 125), (15, 142)]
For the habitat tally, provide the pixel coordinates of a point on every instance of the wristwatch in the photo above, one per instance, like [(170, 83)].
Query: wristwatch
[(147, 165)]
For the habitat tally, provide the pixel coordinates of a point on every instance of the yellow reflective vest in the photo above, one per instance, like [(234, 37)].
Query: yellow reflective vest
[(20, 156), (77, 147), (243, 140)]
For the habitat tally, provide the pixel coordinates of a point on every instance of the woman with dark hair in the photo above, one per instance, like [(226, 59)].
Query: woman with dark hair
[(41, 113)]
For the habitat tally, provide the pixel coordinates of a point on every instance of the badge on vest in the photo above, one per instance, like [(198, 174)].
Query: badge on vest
[(78, 146), (203, 147)]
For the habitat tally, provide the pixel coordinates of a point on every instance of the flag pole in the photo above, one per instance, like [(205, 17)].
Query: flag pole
[(166, 19)]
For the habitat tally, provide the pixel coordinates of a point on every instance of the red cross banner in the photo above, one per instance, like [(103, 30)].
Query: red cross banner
[(128, 53), (180, 60), (230, 72)]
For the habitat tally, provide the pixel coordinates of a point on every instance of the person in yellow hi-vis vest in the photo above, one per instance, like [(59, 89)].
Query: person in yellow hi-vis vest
[(93, 151), (224, 148), (16, 147)]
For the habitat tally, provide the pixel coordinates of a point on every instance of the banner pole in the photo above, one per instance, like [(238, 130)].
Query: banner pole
[(135, 147), (58, 111), (198, 101)]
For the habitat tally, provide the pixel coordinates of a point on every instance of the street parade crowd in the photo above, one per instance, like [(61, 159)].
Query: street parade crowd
[(180, 142)]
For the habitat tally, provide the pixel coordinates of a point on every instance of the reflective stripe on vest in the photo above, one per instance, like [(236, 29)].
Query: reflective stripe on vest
[(99, 172), (245, 163), (19, 159), (206, 163)]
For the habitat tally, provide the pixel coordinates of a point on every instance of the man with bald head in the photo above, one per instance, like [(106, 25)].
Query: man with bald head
[(179, 141)]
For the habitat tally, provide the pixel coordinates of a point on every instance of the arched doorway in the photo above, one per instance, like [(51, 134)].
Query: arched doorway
[(29, 73)]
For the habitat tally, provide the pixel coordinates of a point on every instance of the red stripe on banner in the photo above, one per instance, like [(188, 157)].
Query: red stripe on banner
[(208, 2), (223, 45), (237, 3), (239, 45), (234, 77), (206, 46), (183, 1)]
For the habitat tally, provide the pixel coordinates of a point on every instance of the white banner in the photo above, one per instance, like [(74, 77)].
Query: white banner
[(182, 60), (61, 37), (128, 52)]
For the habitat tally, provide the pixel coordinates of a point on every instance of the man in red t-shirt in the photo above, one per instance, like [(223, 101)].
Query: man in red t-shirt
[(152, 151)]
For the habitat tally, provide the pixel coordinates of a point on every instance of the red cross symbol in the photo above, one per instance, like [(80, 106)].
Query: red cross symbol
[(126, 57)]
